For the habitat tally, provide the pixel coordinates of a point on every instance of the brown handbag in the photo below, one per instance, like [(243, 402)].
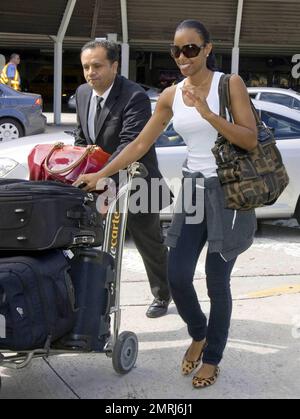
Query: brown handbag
[(64, 163), (249, 179)]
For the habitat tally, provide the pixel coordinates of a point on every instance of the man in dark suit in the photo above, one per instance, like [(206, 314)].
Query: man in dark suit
[(111, 112)]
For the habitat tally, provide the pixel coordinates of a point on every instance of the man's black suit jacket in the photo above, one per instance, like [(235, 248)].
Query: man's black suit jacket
[(125, 113)]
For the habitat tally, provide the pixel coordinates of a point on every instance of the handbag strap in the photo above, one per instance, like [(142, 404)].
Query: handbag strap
[(89, 149), (225, 101), (224, 95), (256, 116)]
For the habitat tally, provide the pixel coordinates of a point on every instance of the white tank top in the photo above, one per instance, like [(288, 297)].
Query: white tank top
[(198, 134)]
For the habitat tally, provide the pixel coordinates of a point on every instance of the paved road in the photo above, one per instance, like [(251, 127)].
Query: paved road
[(262, 356)]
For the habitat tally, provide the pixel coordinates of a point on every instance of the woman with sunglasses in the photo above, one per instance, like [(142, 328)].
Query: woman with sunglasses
[(194, 105)]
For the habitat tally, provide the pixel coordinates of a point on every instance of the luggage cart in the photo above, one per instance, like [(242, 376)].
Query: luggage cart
[(121, 348)]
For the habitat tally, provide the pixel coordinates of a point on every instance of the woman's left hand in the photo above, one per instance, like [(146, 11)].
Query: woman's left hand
[(88, 182), (195, 97)]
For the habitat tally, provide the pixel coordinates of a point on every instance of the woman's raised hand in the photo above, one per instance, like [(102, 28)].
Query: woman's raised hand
[(194, 96)]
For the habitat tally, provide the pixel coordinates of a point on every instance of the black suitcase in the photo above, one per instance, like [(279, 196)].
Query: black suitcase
[(92, 273), (36, 300), (46, 215)]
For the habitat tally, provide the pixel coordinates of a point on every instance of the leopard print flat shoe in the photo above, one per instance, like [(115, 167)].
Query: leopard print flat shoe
[(200, 382), (189, 366)]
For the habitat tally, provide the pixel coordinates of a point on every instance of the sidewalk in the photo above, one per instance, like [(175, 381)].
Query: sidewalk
[(66, 119), (262, 355)]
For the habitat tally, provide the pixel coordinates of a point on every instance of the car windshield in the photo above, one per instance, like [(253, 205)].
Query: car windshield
[(283, 127), (278, 98)]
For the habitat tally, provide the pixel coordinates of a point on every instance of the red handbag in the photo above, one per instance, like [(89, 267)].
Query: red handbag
[(64, 162)]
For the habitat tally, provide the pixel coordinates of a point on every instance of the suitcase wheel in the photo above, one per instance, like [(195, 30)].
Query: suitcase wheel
[(125, 352)]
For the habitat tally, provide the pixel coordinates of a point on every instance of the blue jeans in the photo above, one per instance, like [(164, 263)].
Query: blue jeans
[(181, 268)]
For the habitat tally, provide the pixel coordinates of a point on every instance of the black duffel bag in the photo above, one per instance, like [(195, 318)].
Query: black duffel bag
[(36, 300), (41, 215)]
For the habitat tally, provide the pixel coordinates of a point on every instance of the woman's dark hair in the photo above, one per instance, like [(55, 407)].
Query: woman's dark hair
[(203, 32), (112, 48)]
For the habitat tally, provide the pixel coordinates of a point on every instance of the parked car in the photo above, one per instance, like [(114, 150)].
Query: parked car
[(13, 154), (20, 114), (285, 124), (286, 97), (152, 92), (171, 152)]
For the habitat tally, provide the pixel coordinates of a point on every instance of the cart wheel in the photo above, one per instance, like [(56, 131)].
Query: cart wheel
[(125, 352)]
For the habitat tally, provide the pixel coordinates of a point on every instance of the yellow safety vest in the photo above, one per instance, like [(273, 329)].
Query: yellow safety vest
[(15, 82)]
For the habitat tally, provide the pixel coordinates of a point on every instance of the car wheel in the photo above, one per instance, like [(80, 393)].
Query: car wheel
[(10, 129), (297, 211)]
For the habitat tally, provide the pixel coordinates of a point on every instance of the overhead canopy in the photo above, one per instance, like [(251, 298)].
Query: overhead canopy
[(267, 27)]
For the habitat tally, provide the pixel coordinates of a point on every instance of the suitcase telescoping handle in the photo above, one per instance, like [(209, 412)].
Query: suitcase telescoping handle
[(137, 169)]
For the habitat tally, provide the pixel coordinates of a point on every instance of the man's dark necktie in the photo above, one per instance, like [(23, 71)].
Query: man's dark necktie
[(98, 112)]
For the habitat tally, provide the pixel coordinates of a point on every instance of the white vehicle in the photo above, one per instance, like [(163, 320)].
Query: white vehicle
[(172, 151), (286, 97), (285, 124), (13, 154)]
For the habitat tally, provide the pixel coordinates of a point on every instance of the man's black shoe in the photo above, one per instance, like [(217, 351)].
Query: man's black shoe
[(158, 308)]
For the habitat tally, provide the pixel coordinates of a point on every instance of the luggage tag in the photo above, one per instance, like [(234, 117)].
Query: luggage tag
[(68, 254)]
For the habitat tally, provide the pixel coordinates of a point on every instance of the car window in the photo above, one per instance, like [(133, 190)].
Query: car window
[(277, 98), (169, 138), (283, 127), (253, 95), (296, 104)]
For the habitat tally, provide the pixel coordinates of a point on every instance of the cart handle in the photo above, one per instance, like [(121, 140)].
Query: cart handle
[(137, 169)]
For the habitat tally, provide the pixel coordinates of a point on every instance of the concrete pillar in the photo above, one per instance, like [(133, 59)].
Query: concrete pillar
[(57, 81), (235, 57), (235, 50), (125, 60), (58, 41), (2, 62)]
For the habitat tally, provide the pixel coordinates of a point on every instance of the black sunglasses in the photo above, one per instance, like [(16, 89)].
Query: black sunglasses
[(189, 50)]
